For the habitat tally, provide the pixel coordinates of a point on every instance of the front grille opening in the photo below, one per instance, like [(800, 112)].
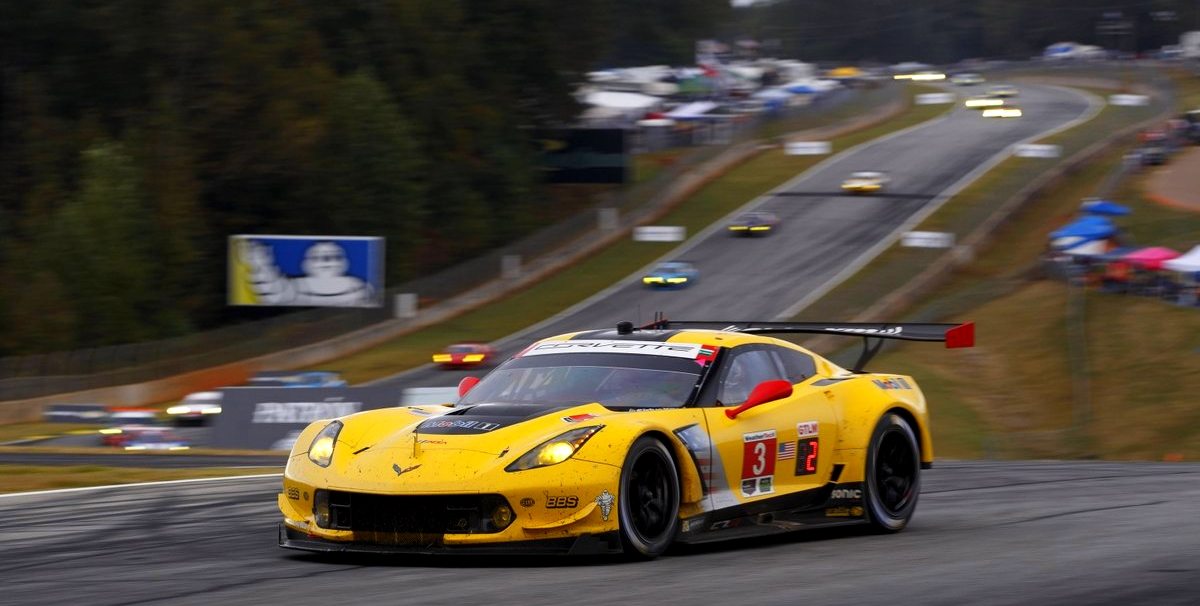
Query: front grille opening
[(405, 514)]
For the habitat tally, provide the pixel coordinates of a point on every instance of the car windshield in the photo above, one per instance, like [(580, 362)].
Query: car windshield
[(870, 175), (615, 380), (460, 349), (672, 267)]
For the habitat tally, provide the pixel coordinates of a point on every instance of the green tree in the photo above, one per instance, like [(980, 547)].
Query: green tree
[(373, 175), (101, 249)]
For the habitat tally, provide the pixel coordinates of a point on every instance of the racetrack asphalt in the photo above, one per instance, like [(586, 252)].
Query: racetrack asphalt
[(985, 533), (820, 234)]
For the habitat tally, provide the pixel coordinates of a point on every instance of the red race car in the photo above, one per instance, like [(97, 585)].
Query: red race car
[(464, 355)]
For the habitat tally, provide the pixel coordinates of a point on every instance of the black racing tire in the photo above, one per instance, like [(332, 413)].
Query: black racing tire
[(893, 474), (648, 501)]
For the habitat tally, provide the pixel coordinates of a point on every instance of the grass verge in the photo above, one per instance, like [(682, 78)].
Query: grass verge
[(1013, 395)]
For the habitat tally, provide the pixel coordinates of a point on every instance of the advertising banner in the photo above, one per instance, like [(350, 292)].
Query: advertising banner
[(314, 271), (660, 233), (807, 148), (270, 418)]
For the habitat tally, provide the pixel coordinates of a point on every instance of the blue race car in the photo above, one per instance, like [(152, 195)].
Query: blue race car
[(297, 378), (672, 274)]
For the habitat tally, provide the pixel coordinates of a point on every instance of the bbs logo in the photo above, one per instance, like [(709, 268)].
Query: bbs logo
[(846, 493), (563, 502)]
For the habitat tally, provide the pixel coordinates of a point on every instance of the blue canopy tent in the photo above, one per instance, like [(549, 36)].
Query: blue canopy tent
[(800, 89), (1082, 231), (1104, 207)]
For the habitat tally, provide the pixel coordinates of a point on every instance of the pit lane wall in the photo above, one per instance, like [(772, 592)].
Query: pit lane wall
[(270, 418)]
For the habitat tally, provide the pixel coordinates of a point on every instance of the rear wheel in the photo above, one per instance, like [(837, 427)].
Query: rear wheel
[(893, 480), (648, 504)]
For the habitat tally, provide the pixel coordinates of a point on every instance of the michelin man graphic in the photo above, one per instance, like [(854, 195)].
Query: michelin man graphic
[(324, 282)]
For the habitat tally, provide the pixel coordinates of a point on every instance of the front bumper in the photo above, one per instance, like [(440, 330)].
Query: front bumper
[(603, 543)]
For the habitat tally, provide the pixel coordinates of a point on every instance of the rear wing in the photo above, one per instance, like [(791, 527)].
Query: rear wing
[(953, 335)]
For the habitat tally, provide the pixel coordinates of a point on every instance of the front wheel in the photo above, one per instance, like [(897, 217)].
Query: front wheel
[(893, 480), (648, 505)]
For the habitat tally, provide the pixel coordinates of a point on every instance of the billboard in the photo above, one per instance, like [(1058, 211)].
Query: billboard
[(314, 271), (584, 155)]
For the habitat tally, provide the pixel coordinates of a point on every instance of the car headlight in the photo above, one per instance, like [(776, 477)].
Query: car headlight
[(321, 449), (555, 450)]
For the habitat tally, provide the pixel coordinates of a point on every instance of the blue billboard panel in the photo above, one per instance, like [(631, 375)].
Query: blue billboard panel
[(312, 271)]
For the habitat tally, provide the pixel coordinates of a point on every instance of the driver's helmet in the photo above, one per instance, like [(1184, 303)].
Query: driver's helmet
[(737, 383)]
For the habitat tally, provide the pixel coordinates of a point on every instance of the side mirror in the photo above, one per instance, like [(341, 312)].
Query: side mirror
[(767, 391), (466, 384)]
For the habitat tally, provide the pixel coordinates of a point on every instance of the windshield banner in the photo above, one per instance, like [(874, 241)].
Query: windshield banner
[(689, 351)]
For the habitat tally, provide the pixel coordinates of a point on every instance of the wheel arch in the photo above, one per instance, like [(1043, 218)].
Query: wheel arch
[(924, 441), (690, 488)]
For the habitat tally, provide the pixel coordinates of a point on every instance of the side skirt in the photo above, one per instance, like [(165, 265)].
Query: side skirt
[(830, 505)]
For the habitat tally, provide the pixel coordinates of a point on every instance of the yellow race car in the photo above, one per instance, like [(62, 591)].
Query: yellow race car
[(865, 182), (625, 440)]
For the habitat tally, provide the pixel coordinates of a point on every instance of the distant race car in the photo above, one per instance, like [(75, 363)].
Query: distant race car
[(196, 408), (297, 378), (865, 182), (625, 440), (759, 222), (672, 274), (1003, 91), (463, 355), (982, 101), (966, 79), (154, 439), (124, 422), (1006, 111)]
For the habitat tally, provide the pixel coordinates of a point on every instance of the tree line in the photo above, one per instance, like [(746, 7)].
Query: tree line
[(942, 31), (136, 135)]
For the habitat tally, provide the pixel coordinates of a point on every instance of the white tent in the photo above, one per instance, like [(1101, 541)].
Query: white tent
[(617, 100), (1189, 262)]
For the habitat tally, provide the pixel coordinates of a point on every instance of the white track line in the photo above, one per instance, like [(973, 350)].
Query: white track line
[(137, 484)]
